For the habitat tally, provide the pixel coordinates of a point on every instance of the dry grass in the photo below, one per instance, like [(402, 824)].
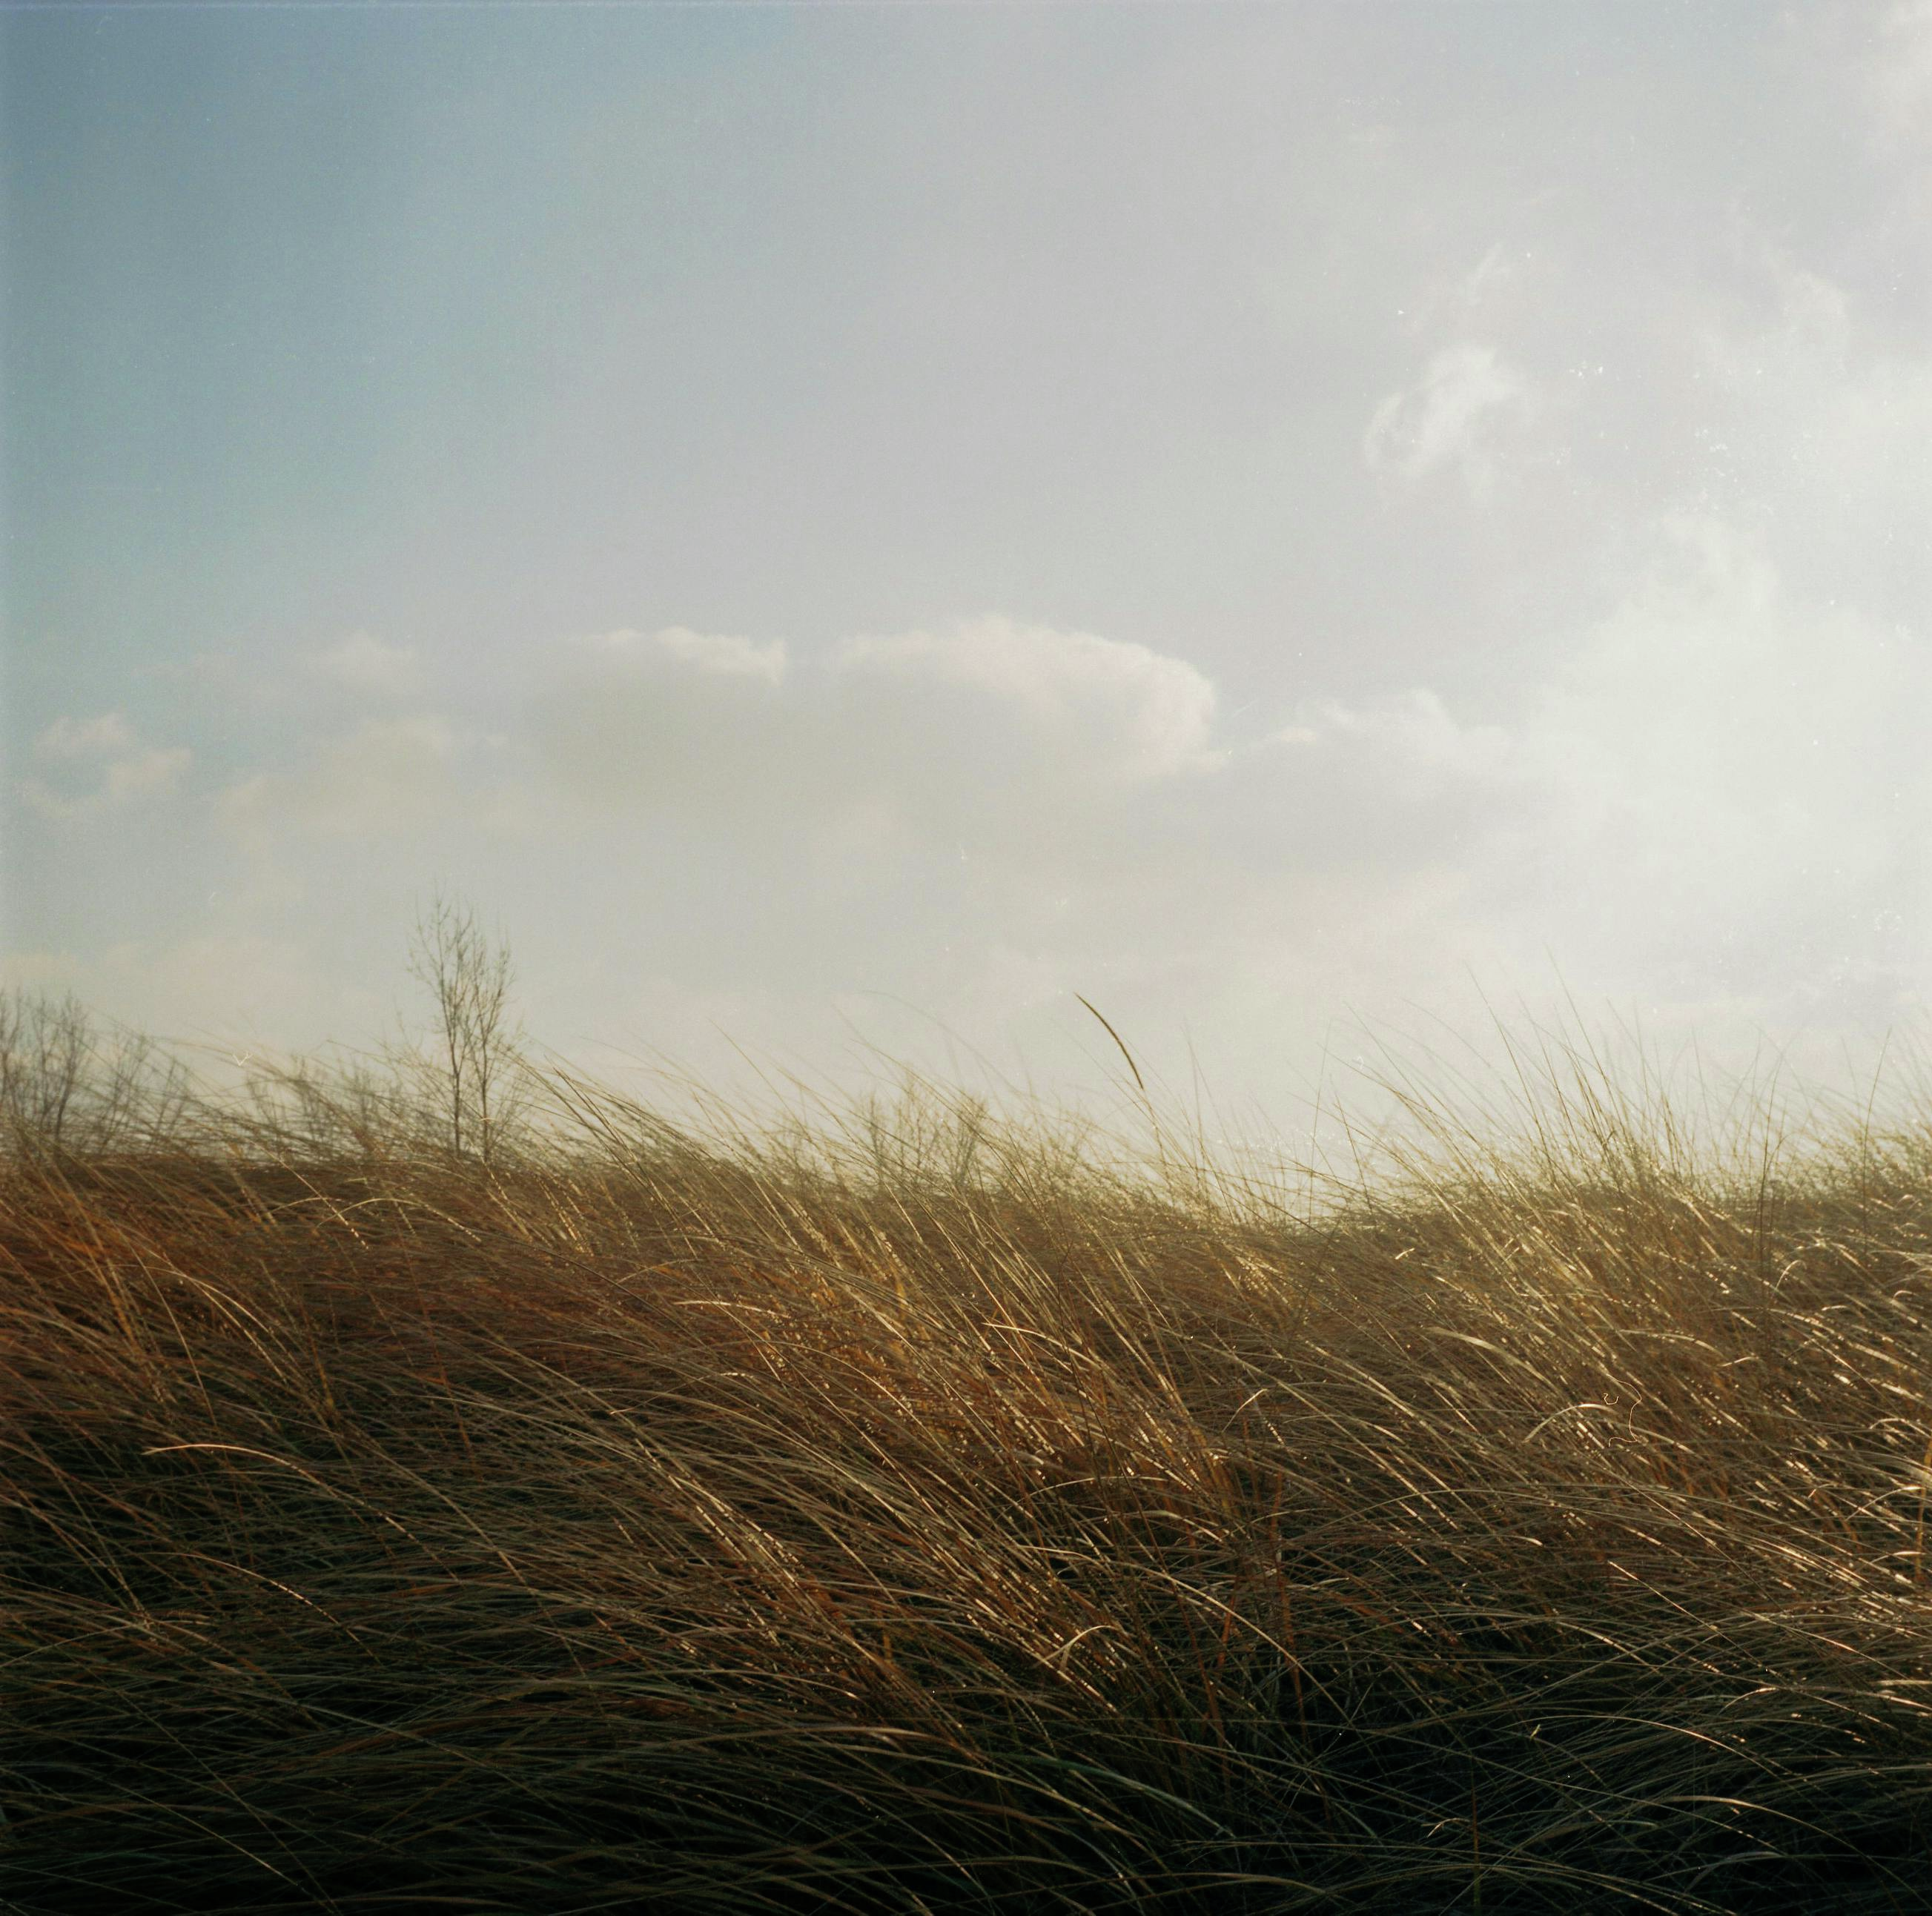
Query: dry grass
[(951, 1519)]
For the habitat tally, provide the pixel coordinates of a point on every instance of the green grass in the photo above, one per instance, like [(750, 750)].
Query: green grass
[(939, 1515)]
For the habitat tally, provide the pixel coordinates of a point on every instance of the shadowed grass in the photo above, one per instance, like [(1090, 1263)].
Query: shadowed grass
[(936, 1515)]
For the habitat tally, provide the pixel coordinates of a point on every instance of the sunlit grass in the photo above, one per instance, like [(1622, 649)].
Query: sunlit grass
[(930, 1511)]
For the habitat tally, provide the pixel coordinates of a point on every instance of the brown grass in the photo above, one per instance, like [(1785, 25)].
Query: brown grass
[(945, 1517)]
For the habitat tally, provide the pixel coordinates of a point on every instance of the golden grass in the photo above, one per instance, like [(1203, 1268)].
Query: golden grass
[(944, 1516)]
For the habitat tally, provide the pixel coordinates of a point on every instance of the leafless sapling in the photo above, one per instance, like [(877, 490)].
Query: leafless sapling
[(469, 973)]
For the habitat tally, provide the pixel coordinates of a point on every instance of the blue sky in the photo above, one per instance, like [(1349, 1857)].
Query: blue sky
[(844, 520)]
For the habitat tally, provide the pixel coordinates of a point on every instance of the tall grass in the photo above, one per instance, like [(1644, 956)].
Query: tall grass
[(933, 1513)]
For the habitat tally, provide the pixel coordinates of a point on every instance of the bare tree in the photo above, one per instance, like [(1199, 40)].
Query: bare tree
[(47, 1046), (480, 1047), (67, 1084)]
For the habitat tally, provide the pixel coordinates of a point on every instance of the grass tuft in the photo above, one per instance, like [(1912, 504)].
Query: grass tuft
[(928, 1513)]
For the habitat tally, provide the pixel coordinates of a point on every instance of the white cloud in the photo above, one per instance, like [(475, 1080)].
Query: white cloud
[(153, 773), (106, 752), (1417, 732), (1762, 748), (1454, 416), (363, 664), (1480, 297), (383, 779), (1899, 71), (100, 737), (990, 730), (1145, 713), (718, 654), (1818, 431), (1722, 795)]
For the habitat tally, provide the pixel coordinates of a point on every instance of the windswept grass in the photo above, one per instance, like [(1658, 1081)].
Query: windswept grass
[(939, 1516)]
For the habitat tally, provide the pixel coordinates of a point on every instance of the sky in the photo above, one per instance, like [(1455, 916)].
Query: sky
[(849, 527)]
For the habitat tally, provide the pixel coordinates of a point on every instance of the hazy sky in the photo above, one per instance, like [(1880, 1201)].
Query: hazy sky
[(864, 519)]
